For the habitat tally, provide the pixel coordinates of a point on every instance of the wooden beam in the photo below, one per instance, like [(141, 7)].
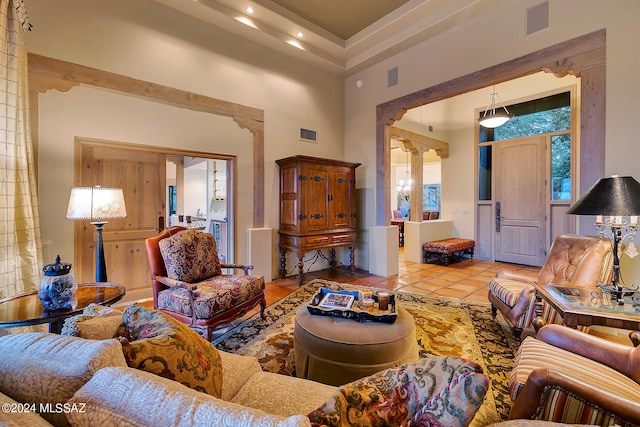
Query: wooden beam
[(50, 69), (48, 73), (421, 142)]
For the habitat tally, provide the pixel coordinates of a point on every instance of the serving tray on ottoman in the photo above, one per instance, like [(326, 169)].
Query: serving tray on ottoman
[(355, 312)]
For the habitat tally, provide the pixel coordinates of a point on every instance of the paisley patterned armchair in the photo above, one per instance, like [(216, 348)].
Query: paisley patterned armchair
[(188, 283)]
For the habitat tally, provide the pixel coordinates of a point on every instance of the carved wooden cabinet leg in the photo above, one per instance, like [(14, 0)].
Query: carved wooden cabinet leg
[(332, 262), (300, 267), (352, 259), (635, 337), (283, 264)]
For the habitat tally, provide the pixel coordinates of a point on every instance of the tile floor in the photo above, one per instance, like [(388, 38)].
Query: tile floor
[(466, 280)]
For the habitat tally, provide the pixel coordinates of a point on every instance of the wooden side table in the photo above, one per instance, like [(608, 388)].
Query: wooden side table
[(26, 309), (587, 307), (400, 223)]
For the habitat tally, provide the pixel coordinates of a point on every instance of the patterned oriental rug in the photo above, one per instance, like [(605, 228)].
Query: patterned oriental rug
[(443, 327)]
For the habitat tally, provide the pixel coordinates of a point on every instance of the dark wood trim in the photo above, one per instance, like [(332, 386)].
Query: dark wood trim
[(583, 56)]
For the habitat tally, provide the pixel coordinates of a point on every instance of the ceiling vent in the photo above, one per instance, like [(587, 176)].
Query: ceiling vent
[(308, 135), (538, 18)]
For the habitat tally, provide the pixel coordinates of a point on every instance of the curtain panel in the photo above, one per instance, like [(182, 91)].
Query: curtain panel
[(20, 242)]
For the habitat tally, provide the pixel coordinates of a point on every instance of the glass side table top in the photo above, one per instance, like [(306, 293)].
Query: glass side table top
[(594, 299)]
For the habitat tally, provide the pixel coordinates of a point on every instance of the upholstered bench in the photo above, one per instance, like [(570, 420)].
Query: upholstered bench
[(446, 250)]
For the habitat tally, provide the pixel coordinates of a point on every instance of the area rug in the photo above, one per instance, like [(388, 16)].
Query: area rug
[(443, 327)]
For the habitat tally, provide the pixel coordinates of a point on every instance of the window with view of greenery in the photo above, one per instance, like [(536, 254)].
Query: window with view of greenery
[(549, 121), (546, 115), (561, 167)]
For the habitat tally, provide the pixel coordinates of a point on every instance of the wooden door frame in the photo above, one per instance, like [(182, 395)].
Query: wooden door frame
[(169, 152), (48, 73), (583, 56)]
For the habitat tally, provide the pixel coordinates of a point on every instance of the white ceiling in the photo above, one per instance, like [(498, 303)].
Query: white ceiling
[(387, 27)]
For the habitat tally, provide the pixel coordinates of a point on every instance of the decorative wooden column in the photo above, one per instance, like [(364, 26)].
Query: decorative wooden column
[(417, 145)]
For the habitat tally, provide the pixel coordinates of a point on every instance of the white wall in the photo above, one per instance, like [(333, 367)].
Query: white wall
[(491, 39), (146, 40), (143, 39)]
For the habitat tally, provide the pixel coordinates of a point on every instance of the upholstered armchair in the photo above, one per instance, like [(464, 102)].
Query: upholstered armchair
[(188, 283), (576, 260), (565, 375)]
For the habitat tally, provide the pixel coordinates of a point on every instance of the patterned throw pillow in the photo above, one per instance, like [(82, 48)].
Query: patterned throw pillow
[(190, 256), (155, 342), (96, 322), (434, 391)]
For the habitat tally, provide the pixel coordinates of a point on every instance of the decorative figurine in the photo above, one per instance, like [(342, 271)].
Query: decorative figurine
[(57, 287)]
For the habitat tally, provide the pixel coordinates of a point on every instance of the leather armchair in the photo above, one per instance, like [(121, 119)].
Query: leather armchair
[(572, 259), (565, 375), (188, 283)]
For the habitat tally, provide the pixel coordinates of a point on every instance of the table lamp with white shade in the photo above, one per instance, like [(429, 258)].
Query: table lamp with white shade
[(97, 204)]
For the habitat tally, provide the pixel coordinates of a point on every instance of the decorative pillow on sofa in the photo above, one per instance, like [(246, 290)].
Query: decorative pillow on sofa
[(155, 342), (190, 256), (434, 391), (96, 322)]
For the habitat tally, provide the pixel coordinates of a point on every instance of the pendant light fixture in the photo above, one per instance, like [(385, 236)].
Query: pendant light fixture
[(404, 187), (492, 118)]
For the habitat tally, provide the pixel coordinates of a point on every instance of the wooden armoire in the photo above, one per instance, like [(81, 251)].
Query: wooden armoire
[(317, 208)]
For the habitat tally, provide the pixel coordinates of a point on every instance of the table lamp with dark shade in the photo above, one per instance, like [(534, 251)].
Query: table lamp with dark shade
[(97, 204), (615, 202)]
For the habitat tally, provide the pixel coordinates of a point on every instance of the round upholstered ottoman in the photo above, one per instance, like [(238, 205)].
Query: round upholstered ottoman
[(336, 351)]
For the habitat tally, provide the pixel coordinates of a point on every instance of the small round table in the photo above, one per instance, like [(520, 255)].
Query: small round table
[(336, 351), (26, 309)]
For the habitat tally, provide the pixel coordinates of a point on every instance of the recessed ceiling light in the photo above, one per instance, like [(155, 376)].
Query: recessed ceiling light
[(246, 21), (295, 43), (300, 34), (249, 9)]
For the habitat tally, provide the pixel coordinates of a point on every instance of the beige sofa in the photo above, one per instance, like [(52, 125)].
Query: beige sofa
[(62, 379), (85, 379)]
